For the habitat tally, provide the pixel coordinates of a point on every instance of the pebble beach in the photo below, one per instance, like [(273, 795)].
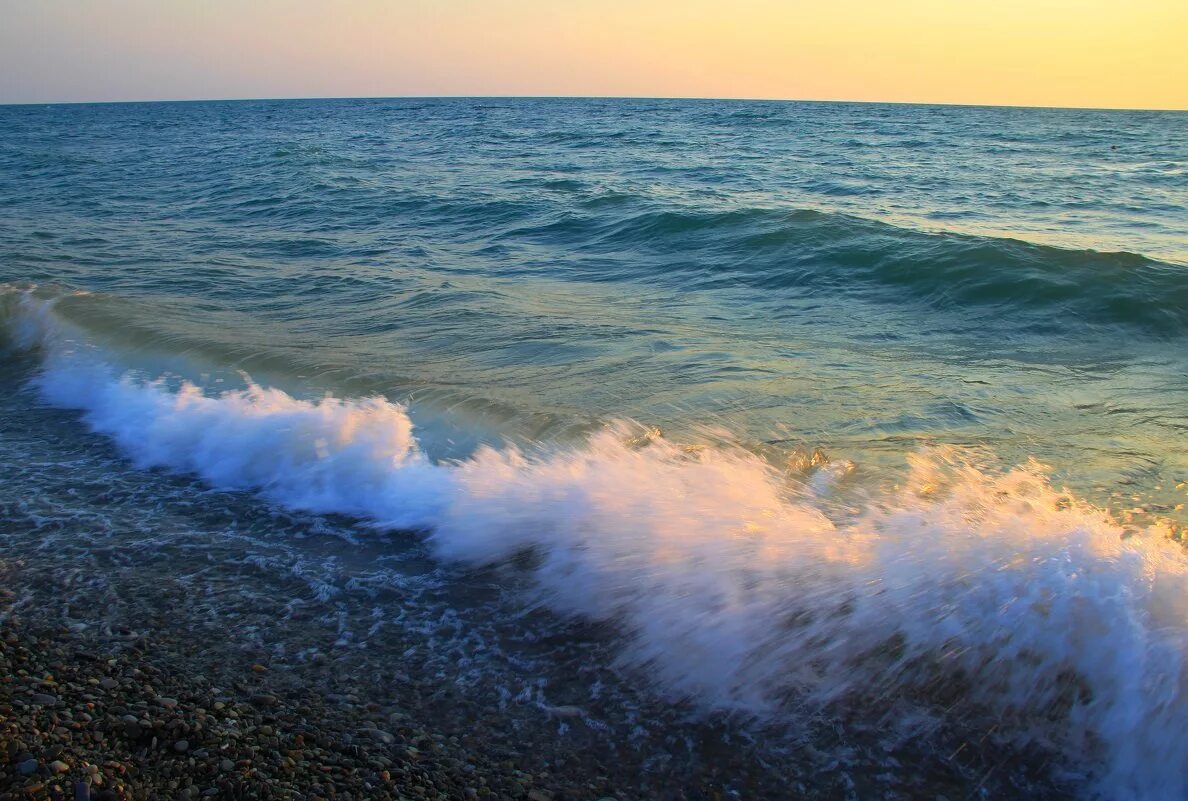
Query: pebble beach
[(84, 722), (94, 708)]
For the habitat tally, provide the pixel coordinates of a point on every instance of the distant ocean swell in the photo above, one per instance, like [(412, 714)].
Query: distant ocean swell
[(624, 237), (990, 592)]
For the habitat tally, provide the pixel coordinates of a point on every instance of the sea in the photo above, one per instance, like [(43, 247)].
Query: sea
[(782, 414)]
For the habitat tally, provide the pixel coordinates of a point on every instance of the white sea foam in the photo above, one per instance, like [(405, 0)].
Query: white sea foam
[(1028, 606)]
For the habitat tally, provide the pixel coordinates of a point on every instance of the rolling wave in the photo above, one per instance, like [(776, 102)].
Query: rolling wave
[(818, 252), (965, 593)]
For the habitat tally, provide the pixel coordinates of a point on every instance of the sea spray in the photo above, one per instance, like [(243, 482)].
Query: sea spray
[(990, 592)]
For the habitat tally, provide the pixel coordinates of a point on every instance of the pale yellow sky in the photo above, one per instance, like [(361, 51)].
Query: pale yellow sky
[(1107, 53)]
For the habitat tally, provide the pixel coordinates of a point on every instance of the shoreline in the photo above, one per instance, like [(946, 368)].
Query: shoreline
[(131, 677), (359, 639), (91, 708)]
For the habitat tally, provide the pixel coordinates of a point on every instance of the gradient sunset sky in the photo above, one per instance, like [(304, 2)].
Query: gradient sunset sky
[(1096, 53)]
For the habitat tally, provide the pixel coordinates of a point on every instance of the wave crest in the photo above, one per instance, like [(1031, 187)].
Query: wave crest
[(813, 251)]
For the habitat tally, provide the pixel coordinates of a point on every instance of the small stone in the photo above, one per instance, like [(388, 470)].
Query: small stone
[(44, 699), (82, 791), (58, 766), (168, 703), (259, 668), (566, 711), (264, 699), (381, 736), (226, 765), (28, 767), (108, 683), (181, 746)]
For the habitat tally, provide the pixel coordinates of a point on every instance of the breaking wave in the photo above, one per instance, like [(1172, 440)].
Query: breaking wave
[(734, 583)]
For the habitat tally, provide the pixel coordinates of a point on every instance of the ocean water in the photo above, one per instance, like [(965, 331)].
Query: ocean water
[(816, 406)]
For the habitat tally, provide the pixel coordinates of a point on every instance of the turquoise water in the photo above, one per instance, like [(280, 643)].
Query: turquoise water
[(717, 363), (860, 278)]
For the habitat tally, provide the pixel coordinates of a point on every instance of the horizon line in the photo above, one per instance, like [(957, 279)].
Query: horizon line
[(298, 98)]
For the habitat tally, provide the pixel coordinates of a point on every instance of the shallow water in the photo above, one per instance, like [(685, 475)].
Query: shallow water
[(816, 406)]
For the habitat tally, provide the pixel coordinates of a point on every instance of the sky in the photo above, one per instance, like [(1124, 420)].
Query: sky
[(1082, 53)]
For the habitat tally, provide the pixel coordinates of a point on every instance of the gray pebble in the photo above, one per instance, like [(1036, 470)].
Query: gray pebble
[(381, 736)]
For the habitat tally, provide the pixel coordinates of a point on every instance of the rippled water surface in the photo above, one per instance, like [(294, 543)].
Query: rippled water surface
[(814, 404)]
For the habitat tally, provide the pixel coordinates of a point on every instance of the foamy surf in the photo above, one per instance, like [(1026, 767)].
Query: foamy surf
[(994, 593)]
